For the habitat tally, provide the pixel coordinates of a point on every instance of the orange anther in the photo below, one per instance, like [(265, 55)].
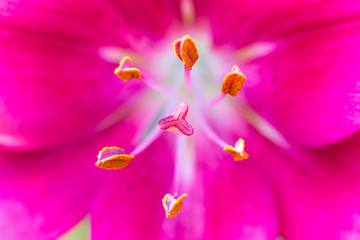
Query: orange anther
[(233, 82), (113, 158), (186, 50), (172, 205), (238, 153), (125, 71)]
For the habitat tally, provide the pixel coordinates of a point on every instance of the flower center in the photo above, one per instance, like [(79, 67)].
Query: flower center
[(189, 93)]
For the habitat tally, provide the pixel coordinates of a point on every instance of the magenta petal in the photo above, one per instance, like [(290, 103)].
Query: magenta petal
[(229, 200), (151, 18), (129, 204), (53, 84), (317, 191), (42, 195), (239, 202), (47, 202), (309, 86)]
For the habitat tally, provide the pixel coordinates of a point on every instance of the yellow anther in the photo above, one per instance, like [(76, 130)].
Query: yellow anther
[(125, 71), (186, 50), (113, 158), (233, 82), (172, 205), (238, 152)]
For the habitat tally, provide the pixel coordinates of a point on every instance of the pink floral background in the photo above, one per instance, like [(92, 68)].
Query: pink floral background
[(57, 89)]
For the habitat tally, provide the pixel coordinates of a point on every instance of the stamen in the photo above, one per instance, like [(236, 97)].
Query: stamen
[(233, 82), (113, 158), (172, 205), (238, 152), (177, 121), (125, 71), (186, 50)]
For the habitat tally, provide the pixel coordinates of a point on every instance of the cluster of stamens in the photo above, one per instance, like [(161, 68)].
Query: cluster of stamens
[(186, 50)]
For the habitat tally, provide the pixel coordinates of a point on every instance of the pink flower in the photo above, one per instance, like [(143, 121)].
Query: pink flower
[(298, 112)]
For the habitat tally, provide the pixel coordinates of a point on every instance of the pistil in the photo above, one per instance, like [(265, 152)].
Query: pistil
[(177, 121)]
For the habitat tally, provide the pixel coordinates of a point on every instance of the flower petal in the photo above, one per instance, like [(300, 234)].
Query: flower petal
[(239, 202), (163, 14), (54, 84), (317, 191), (129, 203), (309, 86), (42, 195)]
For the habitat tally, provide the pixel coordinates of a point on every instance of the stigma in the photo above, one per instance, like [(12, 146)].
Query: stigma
[(177, 121), (125, 71), (112, 158), (237, 152), (172, 205), (233, 82), (186, 50)]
